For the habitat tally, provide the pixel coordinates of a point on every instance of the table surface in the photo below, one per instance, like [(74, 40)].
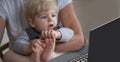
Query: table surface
[(66, 57)]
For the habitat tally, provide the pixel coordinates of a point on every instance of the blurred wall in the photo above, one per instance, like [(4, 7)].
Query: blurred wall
[(119, 6), (93, 13)]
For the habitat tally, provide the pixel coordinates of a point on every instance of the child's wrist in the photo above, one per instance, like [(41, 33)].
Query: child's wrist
[(28, 49), (58, 36)]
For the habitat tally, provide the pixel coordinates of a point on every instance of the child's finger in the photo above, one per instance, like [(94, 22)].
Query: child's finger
[(49, 33), (46, 40), (33, 48), (46, 33), (33, 43), (53, 36), (41, 43), (37, 45), (42, 34)]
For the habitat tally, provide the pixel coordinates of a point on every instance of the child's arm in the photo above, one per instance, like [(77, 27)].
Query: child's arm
[(22, 44), (66, 34), (62, 34)]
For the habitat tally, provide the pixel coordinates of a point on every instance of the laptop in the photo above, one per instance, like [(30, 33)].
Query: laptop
[(104, 43)]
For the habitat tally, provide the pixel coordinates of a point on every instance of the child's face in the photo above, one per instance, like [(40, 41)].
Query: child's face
[(45, 20)]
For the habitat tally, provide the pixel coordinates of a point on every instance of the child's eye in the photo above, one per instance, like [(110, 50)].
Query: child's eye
[(43, 17), (54, 15)]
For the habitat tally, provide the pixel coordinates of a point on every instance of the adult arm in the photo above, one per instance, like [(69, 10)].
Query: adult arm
[(2, 19), (2, 28), (67, 14)]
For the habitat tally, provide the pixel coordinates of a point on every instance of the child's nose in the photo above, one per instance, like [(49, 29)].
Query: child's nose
[(49, 19)]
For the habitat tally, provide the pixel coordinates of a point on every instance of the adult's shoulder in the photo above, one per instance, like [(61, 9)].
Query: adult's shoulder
[(10, 1), (62, 3), (5, 1)]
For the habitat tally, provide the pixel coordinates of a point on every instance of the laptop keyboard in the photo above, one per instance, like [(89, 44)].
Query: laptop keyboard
[(82, 58)]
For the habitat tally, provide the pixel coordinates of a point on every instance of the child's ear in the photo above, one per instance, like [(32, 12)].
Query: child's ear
[(31, 22)]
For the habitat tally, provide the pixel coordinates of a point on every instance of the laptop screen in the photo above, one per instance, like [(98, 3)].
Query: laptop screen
[(104, 43)]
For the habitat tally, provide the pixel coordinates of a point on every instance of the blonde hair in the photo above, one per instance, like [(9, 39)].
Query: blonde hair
[(35, 7)]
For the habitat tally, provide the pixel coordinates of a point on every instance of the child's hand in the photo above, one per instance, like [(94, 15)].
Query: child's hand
[(37, 45), (50, 33), (49, 49)]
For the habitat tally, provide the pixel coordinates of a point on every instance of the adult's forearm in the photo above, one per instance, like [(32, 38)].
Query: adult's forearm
[(2, 28), (74, 44), (67, 14)]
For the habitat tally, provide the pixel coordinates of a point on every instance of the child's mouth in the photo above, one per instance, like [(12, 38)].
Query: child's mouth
[(51, 26)]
